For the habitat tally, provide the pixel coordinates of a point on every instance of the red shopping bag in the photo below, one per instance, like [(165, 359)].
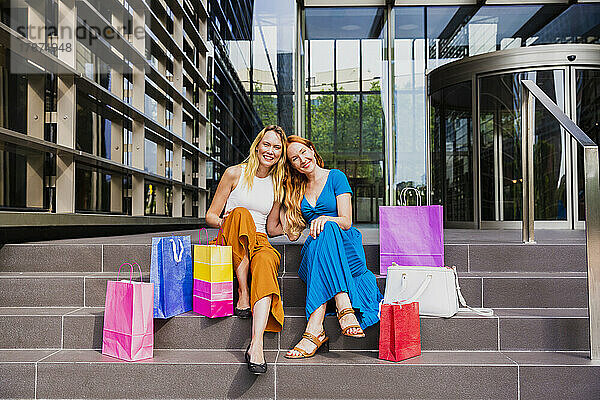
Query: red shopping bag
[(399, 331)]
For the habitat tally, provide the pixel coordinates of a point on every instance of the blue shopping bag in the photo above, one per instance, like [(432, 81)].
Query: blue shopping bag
[(171, 271)]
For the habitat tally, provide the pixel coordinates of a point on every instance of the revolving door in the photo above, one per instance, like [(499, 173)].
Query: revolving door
[(475, 136)]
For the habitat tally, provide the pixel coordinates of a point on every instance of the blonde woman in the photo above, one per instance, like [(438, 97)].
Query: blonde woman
[(246, 193), (333, 261)]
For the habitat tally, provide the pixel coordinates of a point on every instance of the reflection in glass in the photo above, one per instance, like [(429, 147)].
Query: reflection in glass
[(580, 23), (13, 96), (346, 64), (93, 189), (93, 126), (501, 169), (272, 69), (452, 151), (371, 64), (23, 173), (460, 31), (320, 73), (266, 108), (588, 119), (150, 153)]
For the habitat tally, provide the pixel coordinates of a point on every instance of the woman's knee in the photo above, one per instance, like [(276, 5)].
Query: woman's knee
[(240, 212), (330, 226), (265, 262)]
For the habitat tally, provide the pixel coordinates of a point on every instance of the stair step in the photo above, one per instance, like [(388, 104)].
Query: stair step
[(337, 374), (54, 257), (481, 289), (509, 329)]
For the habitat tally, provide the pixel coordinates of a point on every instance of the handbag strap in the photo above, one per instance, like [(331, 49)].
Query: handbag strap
[(485, 312), (419, 291)]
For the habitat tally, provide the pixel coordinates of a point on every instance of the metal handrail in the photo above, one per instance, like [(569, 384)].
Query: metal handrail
[(592, 195)]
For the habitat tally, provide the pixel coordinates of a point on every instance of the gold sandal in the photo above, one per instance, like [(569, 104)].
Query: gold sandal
[(321, 344), (341, 314)]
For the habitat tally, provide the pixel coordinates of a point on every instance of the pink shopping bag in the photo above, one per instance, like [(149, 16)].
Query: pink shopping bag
[(128, 331)]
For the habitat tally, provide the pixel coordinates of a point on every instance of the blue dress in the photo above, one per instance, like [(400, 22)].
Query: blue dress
[(335, 261)]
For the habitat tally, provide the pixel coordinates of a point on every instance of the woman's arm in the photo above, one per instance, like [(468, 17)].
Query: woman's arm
[(275, 223), (226, 185), (344, 218)]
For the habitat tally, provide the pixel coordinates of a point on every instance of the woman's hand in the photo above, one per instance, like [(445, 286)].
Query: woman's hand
[(317, 225)]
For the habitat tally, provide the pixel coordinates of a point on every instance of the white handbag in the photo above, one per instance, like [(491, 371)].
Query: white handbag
[(435, 288)]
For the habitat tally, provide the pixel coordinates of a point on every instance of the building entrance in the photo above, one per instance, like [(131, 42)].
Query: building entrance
[(475, 130)]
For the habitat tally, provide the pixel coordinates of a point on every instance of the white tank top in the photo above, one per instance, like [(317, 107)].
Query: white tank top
[(258, 200)]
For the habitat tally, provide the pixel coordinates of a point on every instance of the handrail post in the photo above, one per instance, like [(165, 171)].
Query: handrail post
[(592, 232), (527, 127)]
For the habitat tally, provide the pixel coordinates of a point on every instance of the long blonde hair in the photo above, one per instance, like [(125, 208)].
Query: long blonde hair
[(277, 171), (295, 187)]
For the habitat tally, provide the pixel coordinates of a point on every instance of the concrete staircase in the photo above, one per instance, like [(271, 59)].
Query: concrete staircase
[(536, 345)]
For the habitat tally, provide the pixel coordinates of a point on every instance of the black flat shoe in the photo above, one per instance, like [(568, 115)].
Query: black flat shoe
[(242, 313), (256, 369)]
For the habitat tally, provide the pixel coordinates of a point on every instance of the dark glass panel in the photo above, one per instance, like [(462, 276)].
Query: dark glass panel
[(588, 119), (457, 129), (93, 189)]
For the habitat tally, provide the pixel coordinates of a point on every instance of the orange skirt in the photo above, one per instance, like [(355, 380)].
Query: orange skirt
[(239, 232)]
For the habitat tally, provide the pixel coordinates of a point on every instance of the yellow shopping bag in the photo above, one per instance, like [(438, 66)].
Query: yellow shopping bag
[(213, 263)]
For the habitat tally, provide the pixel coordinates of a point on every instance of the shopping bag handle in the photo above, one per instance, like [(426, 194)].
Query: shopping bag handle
[(205, 231), (207, 240), (177, 257), (131, 274), (222, 237), (404, 193)]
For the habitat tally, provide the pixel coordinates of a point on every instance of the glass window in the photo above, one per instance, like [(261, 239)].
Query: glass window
[(158, 199), (13, 97), (452, 151), (23, 178), (410, 168), (150, 159), (320, 76), (344, 106), (93, 127), (588, 119), (93, 189), (266, 108), (347, 67), (580, 23), (371, 72)]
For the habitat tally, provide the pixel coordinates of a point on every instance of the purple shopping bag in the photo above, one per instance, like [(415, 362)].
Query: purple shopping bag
[(128, 331), (411, 235)]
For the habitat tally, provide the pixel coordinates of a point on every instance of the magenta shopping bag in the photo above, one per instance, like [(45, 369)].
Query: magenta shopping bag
[(128, 331), (411, 235)]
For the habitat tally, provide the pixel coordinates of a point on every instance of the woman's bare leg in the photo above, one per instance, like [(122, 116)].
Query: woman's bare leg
[(342, 301), (243, 290), (260, 316), (314, 326)]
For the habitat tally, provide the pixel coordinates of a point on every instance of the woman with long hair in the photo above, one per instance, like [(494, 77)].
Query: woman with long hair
[(333, 261), (247, 193)]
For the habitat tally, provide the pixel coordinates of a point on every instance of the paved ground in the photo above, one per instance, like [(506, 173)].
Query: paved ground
[(370, 236)]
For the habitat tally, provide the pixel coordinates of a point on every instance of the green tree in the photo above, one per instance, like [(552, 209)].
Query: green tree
[(265, 106)]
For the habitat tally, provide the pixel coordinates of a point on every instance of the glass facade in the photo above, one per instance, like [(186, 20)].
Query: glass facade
[(156, 119), (109, 103), (344, 105)]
